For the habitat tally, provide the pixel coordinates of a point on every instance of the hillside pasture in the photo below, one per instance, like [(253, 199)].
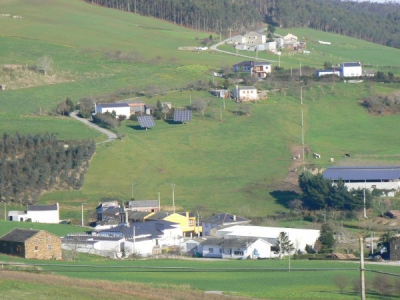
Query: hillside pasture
[(235, 163)]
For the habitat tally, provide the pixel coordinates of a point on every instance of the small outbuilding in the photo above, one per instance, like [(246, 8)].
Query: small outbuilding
[(33, 244)]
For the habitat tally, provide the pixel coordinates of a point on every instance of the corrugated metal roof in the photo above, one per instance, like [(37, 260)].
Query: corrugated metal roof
[(363, 173)]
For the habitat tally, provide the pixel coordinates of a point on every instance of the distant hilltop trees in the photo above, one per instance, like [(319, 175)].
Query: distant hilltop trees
[(31, 165), (374, 22)]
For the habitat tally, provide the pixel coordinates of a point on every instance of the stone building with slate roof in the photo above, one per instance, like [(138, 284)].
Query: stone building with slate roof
[(32, 244)]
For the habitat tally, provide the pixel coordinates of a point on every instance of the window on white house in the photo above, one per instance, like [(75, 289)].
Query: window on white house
[(237, 252), (211, 250)]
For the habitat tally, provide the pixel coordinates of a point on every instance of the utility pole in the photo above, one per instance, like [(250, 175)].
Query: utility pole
[(173, 196), (302, 132), (159, 202), (132, 190), (5, 211), (362, 270), (301, 95), (365, 209), (82, 213)]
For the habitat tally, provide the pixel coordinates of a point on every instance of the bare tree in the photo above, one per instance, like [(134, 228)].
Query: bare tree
[(44, 64), (382, 284), (341, 282), (199, 105)]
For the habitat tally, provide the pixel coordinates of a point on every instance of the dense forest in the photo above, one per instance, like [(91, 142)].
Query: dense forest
[(374, 22), (31, 165)]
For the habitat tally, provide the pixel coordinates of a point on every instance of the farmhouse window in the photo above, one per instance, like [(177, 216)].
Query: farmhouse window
[(236, 252), (211, 250), (48, 247), (36, 248)]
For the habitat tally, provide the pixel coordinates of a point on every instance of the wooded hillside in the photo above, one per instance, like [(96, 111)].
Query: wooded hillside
[(30, 165), (374, 22)]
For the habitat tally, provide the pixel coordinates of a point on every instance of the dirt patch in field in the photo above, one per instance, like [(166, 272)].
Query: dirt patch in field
[(18, 77), (13, 77), (291, 182)]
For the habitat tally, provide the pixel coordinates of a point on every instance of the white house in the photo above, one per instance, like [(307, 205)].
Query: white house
[(372, 177), (299, 237), (162, 233), (236, 248), (120, 109), (351, 69), (37, 213), (244, 93), (254, 38), (258, 68)]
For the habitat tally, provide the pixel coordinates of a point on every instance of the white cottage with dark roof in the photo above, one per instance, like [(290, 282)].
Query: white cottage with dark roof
[(37, 213), (373, 177), (351, 69)]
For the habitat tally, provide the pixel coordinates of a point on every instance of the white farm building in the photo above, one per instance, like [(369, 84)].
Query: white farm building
[(245, 93), (351, 69), (37, 213), (120, 109), (299, 237), (377, 177)]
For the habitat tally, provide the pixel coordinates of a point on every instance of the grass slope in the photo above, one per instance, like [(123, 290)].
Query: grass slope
[(236, 165)]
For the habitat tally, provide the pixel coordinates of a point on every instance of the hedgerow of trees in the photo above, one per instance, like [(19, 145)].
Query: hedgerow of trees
[(320, 193), (374, 22), (31, 165)]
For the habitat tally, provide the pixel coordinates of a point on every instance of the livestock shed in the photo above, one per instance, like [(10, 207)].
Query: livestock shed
[(368, 177), (33, 244)]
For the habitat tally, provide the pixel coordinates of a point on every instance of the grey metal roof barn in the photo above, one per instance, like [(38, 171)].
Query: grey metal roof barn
[(375, 173)]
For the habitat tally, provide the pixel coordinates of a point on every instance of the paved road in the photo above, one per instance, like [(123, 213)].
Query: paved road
[(111, 135)]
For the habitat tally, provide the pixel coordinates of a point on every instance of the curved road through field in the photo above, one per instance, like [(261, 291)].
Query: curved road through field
[(111, 135)]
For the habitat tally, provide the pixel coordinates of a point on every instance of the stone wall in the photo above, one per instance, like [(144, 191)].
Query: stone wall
[(43, 245)]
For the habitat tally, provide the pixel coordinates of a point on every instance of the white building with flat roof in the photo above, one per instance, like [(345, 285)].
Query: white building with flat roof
[(299, 237)]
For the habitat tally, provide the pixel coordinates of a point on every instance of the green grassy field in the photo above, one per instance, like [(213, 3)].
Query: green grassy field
[(266, 279), (57, 229), (236, 165)]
